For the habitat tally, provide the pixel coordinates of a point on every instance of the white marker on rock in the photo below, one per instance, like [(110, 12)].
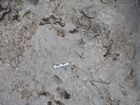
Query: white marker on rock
[(60, 65)]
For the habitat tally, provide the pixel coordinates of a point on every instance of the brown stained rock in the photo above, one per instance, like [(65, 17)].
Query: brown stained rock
[(44, 93), (109, 101), (59, 103), (73, 31), (60, 32), (49, 103), (129, 79), (52, 20), (29, 26), (61, 93), (4, 14), (14, 40), (66, 95)]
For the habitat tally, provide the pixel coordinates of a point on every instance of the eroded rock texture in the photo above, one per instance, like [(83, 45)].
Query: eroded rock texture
[(98, 38)]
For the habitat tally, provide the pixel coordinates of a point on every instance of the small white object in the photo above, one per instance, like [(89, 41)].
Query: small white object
[(60, 65)]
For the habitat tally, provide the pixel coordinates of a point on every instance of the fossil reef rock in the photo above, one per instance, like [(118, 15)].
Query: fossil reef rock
[(95, 45)]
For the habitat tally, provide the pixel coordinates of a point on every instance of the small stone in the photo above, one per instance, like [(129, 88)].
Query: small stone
[(56, 79)]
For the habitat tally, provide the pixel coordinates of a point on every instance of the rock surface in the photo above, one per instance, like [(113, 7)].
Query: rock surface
[(98, 38)]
